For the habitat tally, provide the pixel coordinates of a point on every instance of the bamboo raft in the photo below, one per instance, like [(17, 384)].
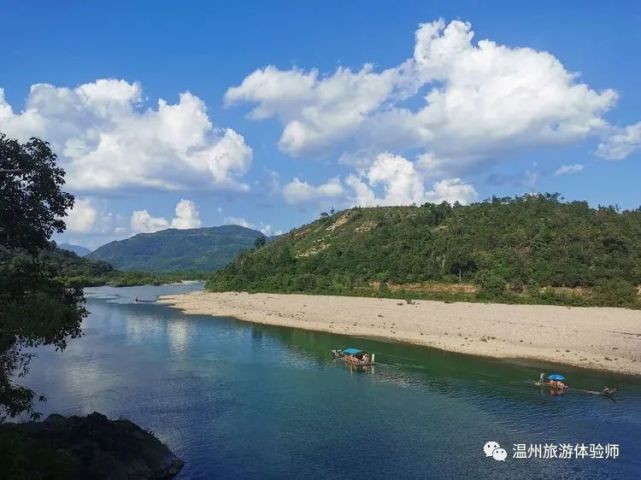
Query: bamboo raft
[(354, 356), (606, 392)]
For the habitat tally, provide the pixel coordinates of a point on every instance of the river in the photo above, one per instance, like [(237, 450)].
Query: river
[(237, 400)]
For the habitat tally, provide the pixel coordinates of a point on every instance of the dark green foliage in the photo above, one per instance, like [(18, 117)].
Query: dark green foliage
[(36, 306), (198, 249), (492, 286), (534, 248), (260, 242), (31, 203), (24, 458), (615, 292), (129, 278), (75, 271)]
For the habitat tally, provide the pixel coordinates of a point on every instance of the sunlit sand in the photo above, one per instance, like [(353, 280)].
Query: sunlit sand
[(599, 338)]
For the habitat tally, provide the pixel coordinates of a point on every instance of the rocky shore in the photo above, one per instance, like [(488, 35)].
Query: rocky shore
[(91, 447)]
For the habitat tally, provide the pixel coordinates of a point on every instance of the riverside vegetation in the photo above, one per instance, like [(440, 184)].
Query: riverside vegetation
[(528, 249), (85, 272), (39, 305)]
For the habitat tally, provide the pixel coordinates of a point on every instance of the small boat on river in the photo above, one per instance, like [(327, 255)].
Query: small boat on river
[(354, 356), (556, 383)]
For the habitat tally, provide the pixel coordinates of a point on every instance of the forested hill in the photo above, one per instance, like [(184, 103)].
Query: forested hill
[(74, 269), (171, 250), (77, 271), (525, 249)]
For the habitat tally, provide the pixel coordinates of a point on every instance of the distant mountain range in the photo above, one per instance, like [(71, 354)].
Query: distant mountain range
[(172, 250), (77, 249)]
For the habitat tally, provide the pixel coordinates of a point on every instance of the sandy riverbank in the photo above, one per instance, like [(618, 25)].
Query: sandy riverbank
[(601, 338)]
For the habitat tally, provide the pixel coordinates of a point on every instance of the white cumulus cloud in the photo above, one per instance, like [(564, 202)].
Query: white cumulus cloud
[(315, 111), (621, 143), (107, 139), (186, 216), (82, 217), (483, 100), (451, 190), (388, 180), (297, 191), (402, 183), (143, 222), (90, 217), (569, 169)]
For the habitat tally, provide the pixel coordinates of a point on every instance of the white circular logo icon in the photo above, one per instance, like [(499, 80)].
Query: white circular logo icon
[(494, 450), (499, 454), (489, 447)]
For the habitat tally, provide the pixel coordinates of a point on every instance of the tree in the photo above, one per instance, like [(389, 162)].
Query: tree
[(260, 242), (536, 245), (36, 308), (31, 203)]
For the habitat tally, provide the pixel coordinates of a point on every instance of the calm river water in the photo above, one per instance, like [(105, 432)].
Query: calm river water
[(236, 400)]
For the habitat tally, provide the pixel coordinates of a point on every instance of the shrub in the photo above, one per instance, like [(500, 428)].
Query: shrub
[(492, 286), (305, 282), (614, 292)]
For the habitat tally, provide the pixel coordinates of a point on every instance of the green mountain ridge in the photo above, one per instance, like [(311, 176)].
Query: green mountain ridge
[(530, 249), (76, 271), (77, 249), (173, 250)]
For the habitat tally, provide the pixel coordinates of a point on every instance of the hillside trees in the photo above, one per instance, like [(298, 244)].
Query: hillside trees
[(36, 308), (515, 249)]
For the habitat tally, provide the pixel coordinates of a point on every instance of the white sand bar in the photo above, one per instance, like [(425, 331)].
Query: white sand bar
[(599, 338)]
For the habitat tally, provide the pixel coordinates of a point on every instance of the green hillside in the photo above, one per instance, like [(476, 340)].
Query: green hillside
[(76, 271), (63, 265), (534, 249), (197, 250)]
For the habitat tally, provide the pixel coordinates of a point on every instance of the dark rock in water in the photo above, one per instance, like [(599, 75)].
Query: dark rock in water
[(85, 447)]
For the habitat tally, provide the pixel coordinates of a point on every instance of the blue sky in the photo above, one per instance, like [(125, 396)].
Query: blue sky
[(270, 117)]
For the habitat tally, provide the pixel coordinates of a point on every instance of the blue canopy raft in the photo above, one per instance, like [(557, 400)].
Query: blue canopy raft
[(355, 356), (556, 383)]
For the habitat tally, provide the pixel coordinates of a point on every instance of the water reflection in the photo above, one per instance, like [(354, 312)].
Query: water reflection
[(408, 365), (144, 328), (252, 401), (178, 332)]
